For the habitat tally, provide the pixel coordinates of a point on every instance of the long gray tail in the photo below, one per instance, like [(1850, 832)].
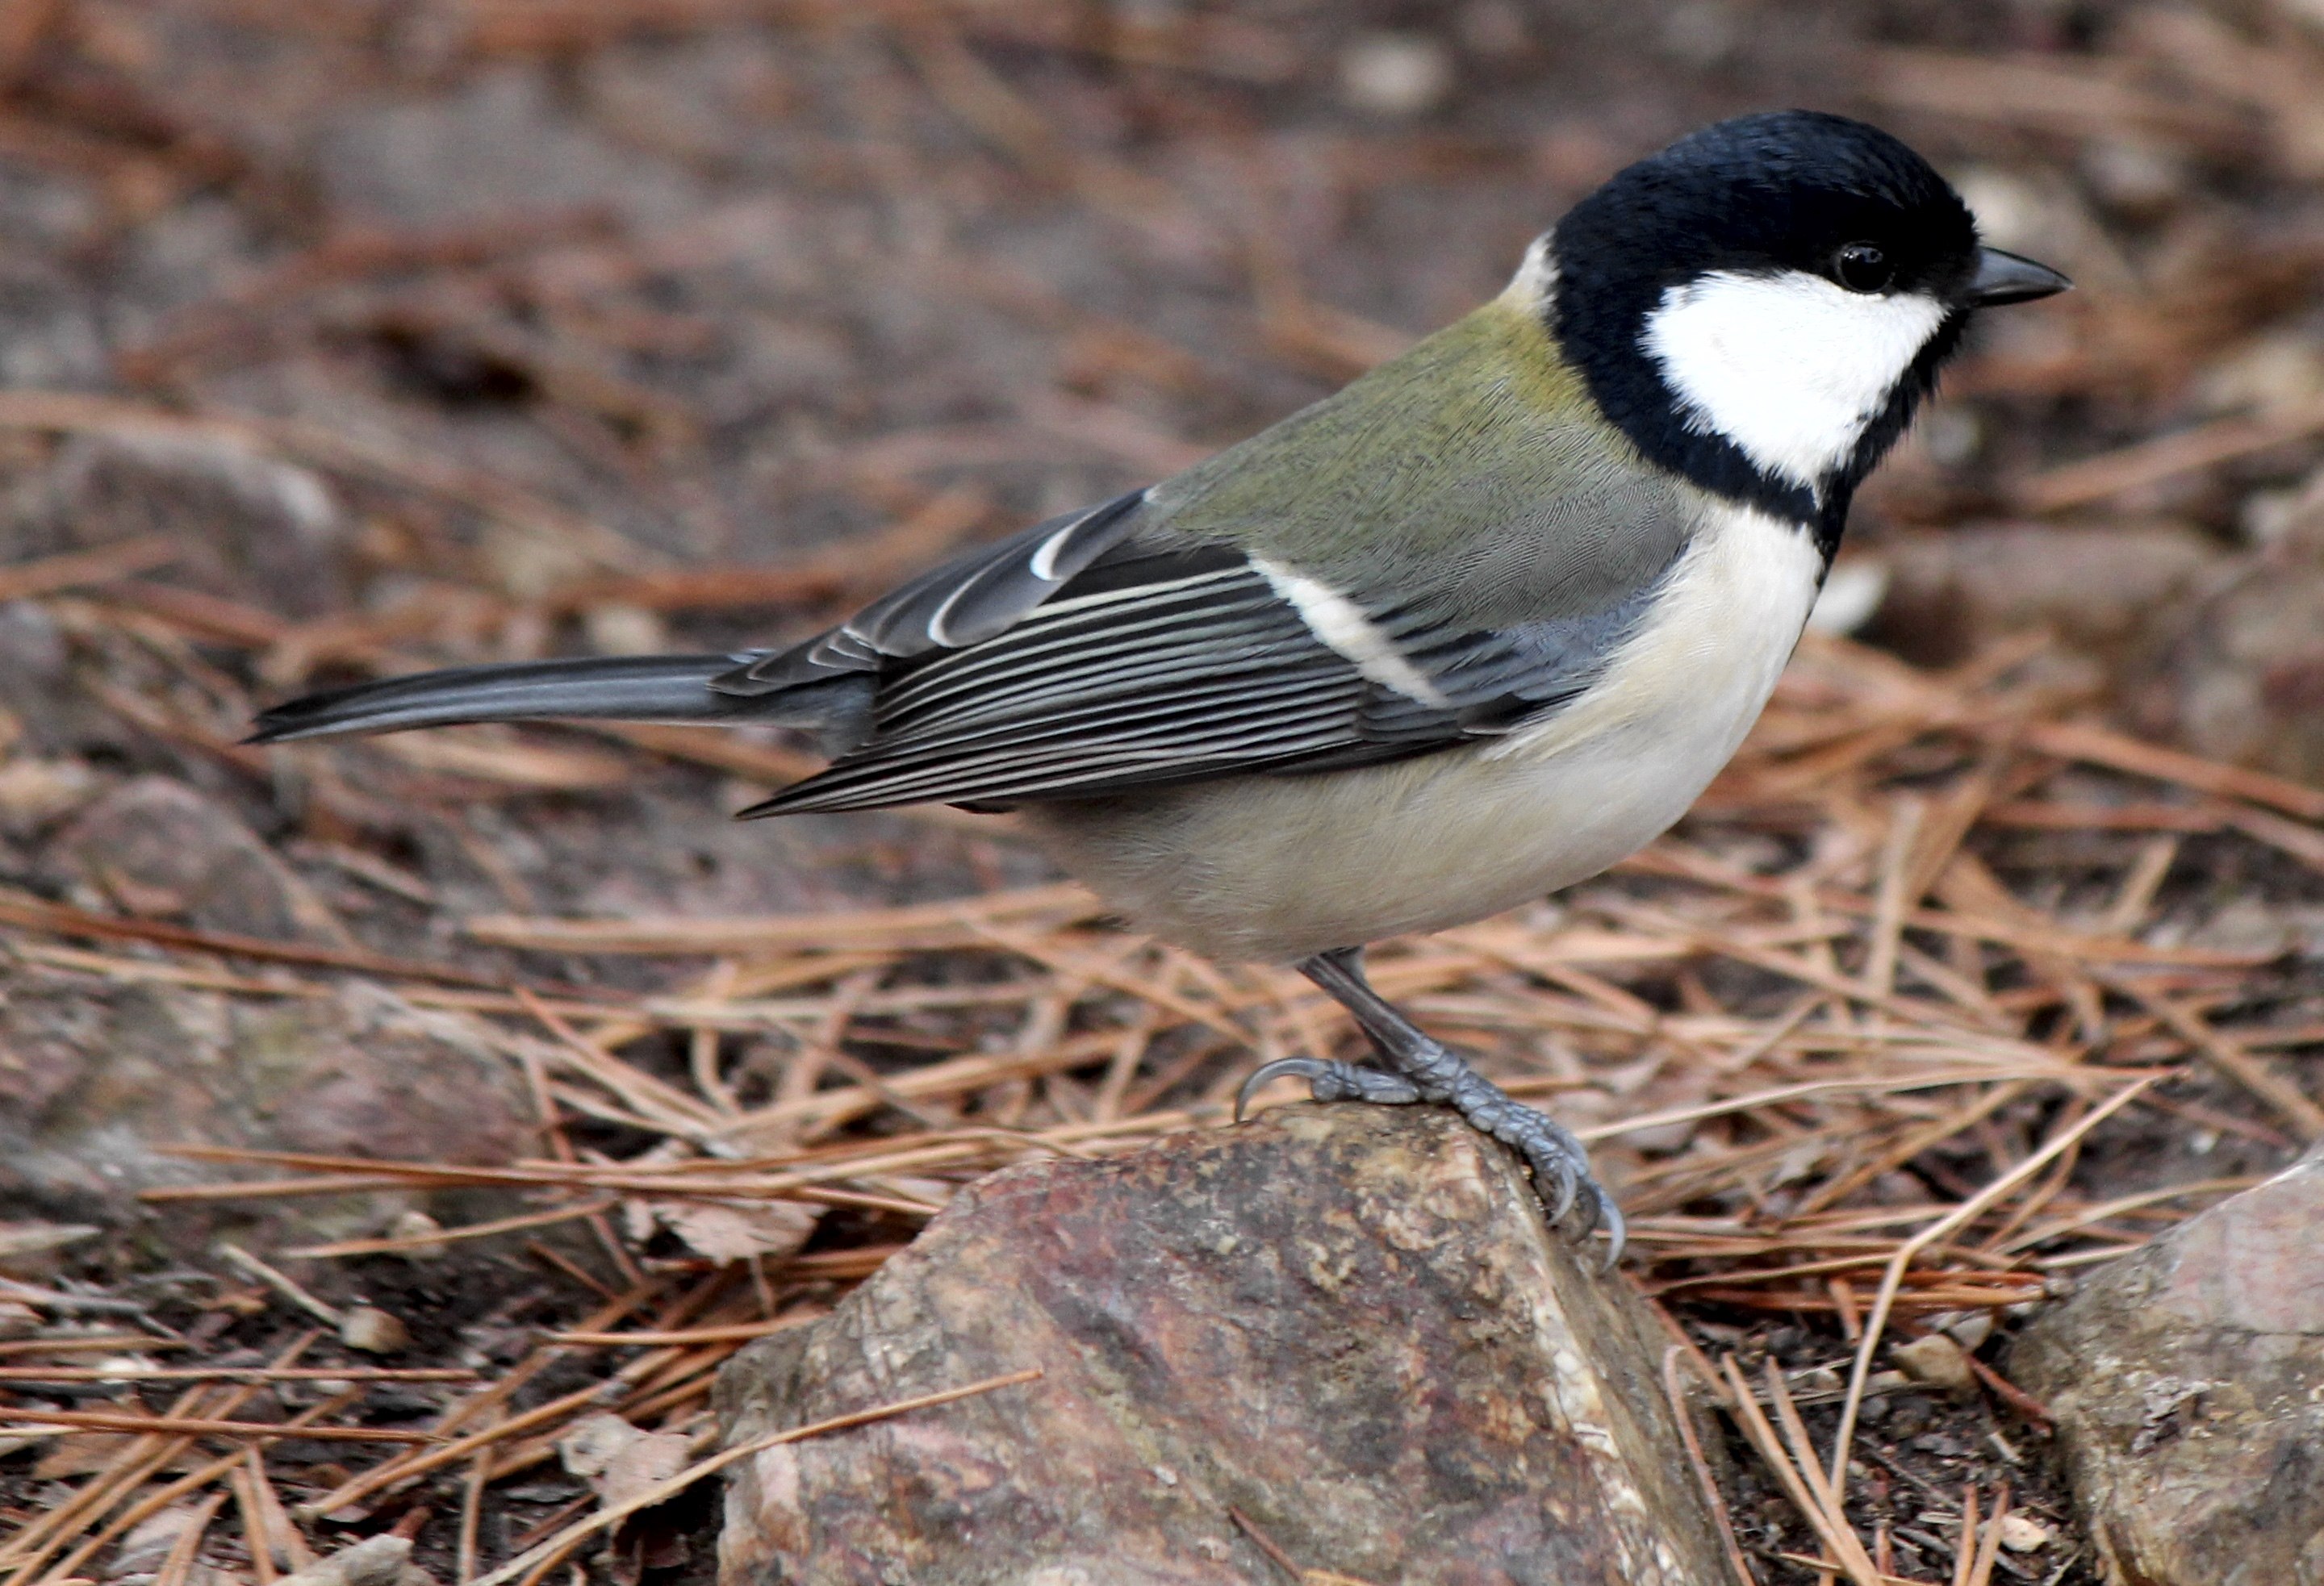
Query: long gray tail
[(626, 688)]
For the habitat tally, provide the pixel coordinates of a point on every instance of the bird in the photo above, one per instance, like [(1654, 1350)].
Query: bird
[(1473, 629)]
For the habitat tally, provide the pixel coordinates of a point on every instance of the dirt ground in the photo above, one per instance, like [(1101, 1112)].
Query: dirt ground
[(348, 337)]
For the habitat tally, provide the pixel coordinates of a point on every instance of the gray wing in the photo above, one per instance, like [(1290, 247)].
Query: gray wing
[(1010, 676), (971, 597)]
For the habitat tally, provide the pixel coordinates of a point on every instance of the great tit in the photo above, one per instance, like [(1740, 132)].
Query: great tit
[(1469, 631)]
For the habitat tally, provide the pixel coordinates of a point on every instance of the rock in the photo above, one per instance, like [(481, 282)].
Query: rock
[(621, 1463), (2023, 1533), (416, 1224), (730, 1230), (2187, 1383), (375, 1561), (35, 791), (52, 327), (96, 1075), (47, 715), (1349, 1324), (1936, 1361), (373, 1331), (2219, 652), (617, 1458), (158, 848), (247, 525), (142, 1552), (2096, 587), (2238, 674)]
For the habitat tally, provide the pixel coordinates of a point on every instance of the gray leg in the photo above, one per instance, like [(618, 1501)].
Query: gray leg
[(1421, 1068)]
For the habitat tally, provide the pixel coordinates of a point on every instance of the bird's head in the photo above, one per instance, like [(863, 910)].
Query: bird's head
[(1760, 306)]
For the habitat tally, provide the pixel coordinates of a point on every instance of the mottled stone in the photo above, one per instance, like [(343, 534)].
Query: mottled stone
[(97, 1078), (157, 847), (2241, 676), (2188, 1381), (2237, 672), (246, 524), (1349, 1324), (2096, 587)]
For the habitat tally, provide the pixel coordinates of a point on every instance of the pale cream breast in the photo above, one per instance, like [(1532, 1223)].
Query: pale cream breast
[(1278, 868)]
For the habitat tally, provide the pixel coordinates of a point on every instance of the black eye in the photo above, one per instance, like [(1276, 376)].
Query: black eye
[(1862, 267)]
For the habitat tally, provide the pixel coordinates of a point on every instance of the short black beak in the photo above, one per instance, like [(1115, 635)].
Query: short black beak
[(2007, 277)]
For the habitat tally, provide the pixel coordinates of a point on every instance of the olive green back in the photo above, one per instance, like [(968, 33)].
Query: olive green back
[(1471, 478)]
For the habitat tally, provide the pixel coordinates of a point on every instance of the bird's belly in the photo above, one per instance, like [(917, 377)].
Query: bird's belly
[(1277, 868)]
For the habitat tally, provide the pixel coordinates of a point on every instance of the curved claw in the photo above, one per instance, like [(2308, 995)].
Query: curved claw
[(1566, 1187), (1307, 1068), (1617, 1231), (1592, 1207), (1599, 1210)]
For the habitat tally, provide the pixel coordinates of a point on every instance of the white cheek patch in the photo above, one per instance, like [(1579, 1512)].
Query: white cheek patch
[(1790, 367)]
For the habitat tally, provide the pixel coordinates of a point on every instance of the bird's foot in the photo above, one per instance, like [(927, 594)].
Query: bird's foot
[(1435, 1074), (1329, 1081), (1416, 1067), (1558, 1162)]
